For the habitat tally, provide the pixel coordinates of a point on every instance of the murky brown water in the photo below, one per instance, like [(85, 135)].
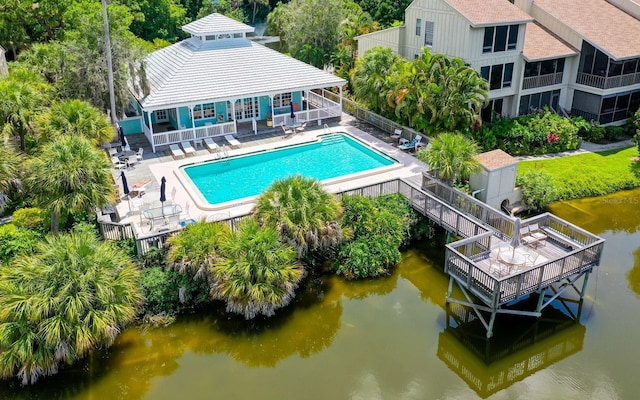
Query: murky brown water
[(389, 339)]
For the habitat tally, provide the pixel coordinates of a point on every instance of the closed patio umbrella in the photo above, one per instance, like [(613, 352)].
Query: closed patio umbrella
[(125, 187), (123, 140), (515, 240), (163, 194), (293, 114)]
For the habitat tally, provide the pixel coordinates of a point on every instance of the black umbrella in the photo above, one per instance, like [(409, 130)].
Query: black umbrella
[(125, 187), (163, 195), (122, 138), (293, 115)]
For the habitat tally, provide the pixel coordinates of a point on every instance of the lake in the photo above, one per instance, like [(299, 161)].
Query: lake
[(390, 339)]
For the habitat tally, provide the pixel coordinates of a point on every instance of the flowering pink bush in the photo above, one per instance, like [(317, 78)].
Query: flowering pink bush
[(553, 137)]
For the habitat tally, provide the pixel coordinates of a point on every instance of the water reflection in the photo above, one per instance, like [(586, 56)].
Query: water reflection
[(615, 212), (633, 276), (521, 347)]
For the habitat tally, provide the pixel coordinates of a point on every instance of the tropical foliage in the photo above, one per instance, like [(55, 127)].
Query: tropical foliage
[(75, 118), (9, 164), (259, 274), (73, 296), (195, 250), (70, 176), (16, 241), (168, 291), (538, 190), (23, 94), (432, 93), (451, 157), (306, 216), (539, 133), (379, 226)]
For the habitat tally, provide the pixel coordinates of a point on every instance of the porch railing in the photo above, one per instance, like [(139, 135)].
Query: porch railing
[(185, 135), (542, 80), (323, 108), (603, 82)]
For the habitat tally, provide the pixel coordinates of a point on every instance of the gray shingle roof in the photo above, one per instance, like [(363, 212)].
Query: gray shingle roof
[(215, 23), (489, 12), (193, 72)]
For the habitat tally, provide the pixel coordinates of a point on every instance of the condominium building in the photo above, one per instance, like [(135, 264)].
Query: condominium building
[(576, 56)]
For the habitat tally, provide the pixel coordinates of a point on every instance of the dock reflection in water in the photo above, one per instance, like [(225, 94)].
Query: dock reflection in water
[(520, 347)]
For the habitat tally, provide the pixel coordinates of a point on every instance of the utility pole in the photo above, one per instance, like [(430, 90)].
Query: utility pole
[(107, 45)]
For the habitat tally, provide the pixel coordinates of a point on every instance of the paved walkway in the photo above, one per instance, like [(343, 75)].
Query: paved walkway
[(586, 147)]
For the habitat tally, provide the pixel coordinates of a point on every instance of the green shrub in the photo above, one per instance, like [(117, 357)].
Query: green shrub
[(169, 291), (379, 227), (540, 133), (15, 241), (591, 132), (367, 257), (30, 219), (538, 189), (613, 133)]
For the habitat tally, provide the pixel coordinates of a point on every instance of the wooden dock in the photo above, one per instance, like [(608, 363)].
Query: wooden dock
[(567, 256)]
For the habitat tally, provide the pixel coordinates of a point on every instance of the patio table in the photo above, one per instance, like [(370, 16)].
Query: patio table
[(161, 213)]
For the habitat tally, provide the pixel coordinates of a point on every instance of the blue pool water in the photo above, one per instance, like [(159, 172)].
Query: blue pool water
[(238, 177)]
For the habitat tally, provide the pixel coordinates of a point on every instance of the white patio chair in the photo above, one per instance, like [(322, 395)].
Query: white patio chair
[(176, 152), (117, 163), (139, 154), (233, 142), (188, 148), (210, 145), (302, 127)]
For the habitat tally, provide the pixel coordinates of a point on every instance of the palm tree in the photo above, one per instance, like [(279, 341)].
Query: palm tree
[(452, 157), (58, 305), (70, 176), (196, 248), (9, 163), (435, 93), (75, 118), (304, 213), (259, 274), (23, 95), (370, 74)]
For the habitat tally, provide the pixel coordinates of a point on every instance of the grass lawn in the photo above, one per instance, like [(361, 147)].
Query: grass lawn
[(591, 174)]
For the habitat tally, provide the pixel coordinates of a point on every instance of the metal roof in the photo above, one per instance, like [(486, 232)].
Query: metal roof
[(215, 23), (194, 72)]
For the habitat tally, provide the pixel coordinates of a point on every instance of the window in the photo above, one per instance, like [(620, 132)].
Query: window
[(428, 33), (161, 115), (538, 101), (487, 46), (500, 38), (493, 110), (499, 76), (204, 111), (282, 100), (418, 26), (512, 42), (618, 108)]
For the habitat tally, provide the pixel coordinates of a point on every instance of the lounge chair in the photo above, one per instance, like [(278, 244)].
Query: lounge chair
[(210, 145), (233, 142), (117, 163), (302, 127), (286, 131), (176, 152), (188, 148), (397, 134), (409, 145), (538, 233)]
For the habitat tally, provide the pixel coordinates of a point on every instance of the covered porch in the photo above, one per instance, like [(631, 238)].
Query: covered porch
[(193, 123)]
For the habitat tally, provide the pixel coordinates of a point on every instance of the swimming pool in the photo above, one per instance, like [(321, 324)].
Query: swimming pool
[(330, 157)]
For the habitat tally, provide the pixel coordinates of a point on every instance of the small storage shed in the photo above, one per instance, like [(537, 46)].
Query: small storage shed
[(495, 183)]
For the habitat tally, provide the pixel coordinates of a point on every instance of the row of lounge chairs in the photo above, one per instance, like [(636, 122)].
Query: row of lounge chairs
[(187, 149)]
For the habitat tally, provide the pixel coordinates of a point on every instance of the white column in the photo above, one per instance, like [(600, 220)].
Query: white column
[(151, 139), (193, 121)]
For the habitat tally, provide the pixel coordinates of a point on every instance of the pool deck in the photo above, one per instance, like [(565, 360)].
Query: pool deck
[(155, 166)]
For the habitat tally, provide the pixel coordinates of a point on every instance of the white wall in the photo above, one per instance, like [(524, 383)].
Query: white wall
[(391, 38)]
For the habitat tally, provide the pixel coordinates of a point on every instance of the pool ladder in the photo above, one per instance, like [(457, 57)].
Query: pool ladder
[(326, 129), (223, 153)]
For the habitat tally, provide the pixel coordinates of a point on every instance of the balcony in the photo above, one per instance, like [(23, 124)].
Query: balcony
[(541, 80), (604, 82)]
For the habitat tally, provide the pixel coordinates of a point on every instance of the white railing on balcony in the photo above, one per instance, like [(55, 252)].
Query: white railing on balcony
[(542, 80), (603, 82), (323, 108), (184, 135)]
